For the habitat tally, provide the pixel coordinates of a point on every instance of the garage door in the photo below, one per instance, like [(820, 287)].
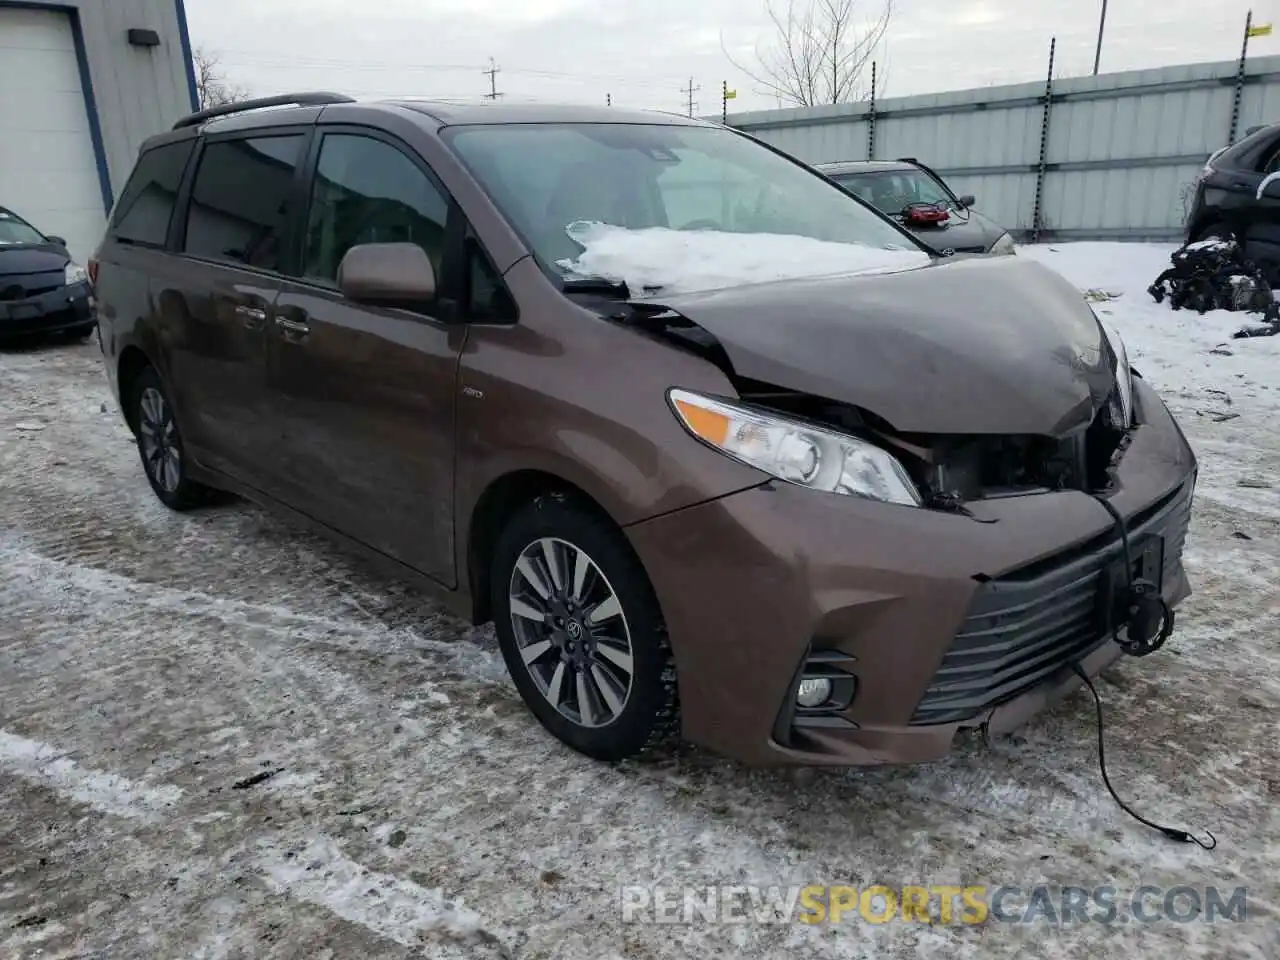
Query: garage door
[(48, 171)]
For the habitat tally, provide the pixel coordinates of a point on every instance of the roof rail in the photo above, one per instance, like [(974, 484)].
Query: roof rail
[(314, 99)]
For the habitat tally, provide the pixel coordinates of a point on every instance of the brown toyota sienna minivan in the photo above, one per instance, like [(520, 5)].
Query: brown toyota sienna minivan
[(720, 450)]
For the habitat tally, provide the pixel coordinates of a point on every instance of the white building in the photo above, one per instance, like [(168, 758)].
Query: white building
[(82, 84)]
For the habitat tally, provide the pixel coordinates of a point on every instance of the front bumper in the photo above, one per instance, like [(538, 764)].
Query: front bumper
[(63, 308), (941, 621)]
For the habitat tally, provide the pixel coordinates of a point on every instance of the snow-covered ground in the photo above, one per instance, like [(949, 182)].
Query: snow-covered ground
[(221, 738)]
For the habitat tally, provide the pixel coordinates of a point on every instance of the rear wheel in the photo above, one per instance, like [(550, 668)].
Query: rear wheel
[(160, 445), (581, 631)]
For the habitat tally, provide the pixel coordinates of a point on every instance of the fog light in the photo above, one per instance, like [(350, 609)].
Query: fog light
[(813, 692)]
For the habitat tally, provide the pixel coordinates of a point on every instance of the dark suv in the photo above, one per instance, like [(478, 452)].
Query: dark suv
[(719, 448), (1236, 194)]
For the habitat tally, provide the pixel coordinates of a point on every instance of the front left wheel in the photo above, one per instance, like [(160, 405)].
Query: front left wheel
[(581, 631)]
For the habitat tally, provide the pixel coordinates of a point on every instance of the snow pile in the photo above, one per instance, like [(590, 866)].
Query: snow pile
[(686, 261), (1182, 354)]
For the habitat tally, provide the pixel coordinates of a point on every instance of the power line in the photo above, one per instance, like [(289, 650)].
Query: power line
[(492, 74), (250, 59), (689, 91)]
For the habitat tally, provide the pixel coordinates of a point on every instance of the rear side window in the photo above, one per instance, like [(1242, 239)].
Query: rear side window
[(239, 200), (1270, 158), (145, 207), (367, 191)]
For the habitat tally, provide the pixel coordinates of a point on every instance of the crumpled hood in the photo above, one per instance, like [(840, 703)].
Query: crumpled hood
[(998, 345), (23, 258)]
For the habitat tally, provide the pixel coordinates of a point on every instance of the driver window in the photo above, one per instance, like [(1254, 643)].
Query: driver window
[(367, 191)]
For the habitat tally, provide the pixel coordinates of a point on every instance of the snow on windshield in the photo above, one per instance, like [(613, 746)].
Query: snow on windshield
[(688, 261)]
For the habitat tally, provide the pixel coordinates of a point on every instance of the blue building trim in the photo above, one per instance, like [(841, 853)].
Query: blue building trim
[(185, 37), (86, 87)]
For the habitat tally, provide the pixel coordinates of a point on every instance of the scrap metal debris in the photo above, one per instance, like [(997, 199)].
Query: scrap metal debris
[(1214, 275)]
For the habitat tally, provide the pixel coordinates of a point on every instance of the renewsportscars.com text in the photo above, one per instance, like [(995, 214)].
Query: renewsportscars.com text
[(933, 904)]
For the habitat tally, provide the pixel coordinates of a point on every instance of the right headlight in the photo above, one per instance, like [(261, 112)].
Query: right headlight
[(1004, 245), (794, 451)]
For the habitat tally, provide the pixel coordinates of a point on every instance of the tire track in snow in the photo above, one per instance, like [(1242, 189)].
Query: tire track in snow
[(32, 576), (106, 792), (396, 909), (314, 871), (391, 909)]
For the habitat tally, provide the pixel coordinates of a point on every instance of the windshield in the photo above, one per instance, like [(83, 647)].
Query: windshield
[(891, 190), (638, 177), (13, 229)]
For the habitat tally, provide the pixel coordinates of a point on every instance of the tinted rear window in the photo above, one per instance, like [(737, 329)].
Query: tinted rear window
[(239, 199), (146, 205)]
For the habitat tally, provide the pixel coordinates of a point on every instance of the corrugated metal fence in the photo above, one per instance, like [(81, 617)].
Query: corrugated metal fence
[(1118, 153)]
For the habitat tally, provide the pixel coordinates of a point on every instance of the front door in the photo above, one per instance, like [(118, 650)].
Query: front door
[(366, 395), (217, 299)]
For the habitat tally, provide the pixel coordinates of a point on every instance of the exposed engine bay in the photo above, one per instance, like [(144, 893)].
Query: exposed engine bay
[(949, 470)]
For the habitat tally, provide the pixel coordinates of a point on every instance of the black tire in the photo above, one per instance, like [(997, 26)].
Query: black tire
[(174, 489), (649, 716)]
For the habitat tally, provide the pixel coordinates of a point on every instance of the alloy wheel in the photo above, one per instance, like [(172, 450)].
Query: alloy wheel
[(158, 434), (571, 632)]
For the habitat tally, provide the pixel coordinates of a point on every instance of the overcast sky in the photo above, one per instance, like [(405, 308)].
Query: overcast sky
[(642, 52)]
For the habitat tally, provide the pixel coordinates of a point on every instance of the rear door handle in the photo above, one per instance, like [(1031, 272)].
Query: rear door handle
[(294, 329), (252, 317)]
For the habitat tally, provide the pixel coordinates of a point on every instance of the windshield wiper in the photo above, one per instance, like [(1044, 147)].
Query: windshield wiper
[(602, 285)]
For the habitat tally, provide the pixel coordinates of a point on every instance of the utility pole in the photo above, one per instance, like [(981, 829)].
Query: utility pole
[(1097, 57), (1261, 30), (725, 96), (492, 74), (689, 91)]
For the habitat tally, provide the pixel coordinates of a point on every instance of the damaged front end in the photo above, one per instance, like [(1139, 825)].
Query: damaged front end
[(973, 405), (950, 470), (1048, 486)]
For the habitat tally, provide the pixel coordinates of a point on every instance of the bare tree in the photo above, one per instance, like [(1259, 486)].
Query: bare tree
[(819, 52), (213, 89)]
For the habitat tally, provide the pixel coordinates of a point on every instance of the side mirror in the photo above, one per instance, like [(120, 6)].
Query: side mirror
[(968, 200), (391, 274), (56, 241)]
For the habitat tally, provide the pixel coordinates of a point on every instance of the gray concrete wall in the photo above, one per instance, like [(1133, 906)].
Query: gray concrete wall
[(139, 91)]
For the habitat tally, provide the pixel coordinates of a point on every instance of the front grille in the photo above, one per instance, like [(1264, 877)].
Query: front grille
[(11, 289), (1023, 628)]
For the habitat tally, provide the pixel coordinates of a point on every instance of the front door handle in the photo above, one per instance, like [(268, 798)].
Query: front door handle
[(294, 329), (252, 317)]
